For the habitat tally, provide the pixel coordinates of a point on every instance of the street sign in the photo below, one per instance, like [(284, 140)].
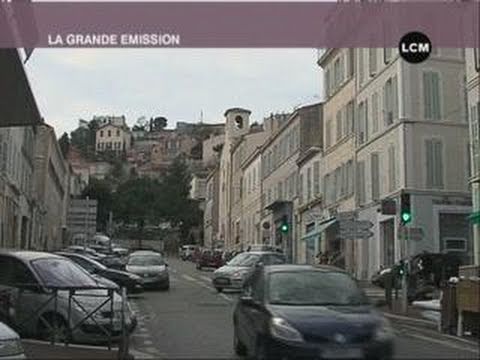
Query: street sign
[(411, 233), (355, 225), (364, 234), (346, 215)]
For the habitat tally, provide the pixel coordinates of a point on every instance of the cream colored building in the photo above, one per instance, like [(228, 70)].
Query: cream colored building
[(111, 137), (252, 197), (211, 214), (236, 125), (411, 137), (472, 58), (338, 149), (240, 222)]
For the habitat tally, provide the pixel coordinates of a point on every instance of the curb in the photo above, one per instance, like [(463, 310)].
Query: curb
[(70, 346)]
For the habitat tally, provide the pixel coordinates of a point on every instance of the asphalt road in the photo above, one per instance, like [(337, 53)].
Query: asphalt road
[(193, 321)]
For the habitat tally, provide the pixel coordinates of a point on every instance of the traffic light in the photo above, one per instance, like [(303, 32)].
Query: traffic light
[(405, 209), (284, 227)]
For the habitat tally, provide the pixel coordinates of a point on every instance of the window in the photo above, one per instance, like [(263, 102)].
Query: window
[(363, 122), (300, 189), (388, 102), (361, 70), (387, 55), (328, 133), (475, 136), (338, 184), (339, 125), (372, 60), (109, 133), (374, 113), (291, 186), (326, 188), (336, 72), (434, 156), (375, 171), (361, 182), (455, 244), (309, 183), (476, 58), (350, 113), (101, 133), (350, 177), (351, 62), (118, 132), (327, 82), (392, 167), (316, 178), (431, 95)]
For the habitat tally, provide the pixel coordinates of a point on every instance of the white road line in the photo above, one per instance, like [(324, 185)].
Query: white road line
[(188, 277), (441, 342), (206, 278), (226, 297)]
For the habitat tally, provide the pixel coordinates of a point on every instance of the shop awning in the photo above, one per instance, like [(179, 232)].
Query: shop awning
[(311, 237), (474, 217), (325, 225)]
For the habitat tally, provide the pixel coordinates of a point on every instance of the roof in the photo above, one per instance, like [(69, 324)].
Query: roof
[(28, 255), (236, 109), (299, 268)]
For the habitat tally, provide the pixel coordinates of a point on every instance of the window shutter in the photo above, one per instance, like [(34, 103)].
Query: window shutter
[(392, 169), (436, 96), (430, 163), (309, 183), (361, 70), (339, 125), (438, 151), (374, 113), (361, 182), (395, 97), (385, 105), (373, 60), (375, 181), (316, 178)]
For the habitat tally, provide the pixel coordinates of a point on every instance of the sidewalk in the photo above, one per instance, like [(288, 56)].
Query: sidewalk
[(42, 350)]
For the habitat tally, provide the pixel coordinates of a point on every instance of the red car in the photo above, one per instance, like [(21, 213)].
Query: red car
[(209, 259)]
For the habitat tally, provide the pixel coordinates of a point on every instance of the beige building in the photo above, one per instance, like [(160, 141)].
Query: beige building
[(309, 205), (411, 120), (112, 137), (211, 214), (280, 153), (338, 149), (472, 58), (52, 189), (240, 222), (252, 197), (236, 125)]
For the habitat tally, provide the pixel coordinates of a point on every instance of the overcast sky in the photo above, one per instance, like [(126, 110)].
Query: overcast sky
[(70, 84)]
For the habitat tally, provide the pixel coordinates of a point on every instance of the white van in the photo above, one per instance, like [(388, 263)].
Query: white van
[(186, 251)]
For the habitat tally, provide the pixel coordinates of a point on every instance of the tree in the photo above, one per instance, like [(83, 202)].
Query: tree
[(101, 191), (64, 143), (159, 123)]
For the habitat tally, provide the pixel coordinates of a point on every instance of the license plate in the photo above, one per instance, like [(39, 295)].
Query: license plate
[(342, 354), (222, 281)]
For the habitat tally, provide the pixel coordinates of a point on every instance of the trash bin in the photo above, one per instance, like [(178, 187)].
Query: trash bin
[(448, 305)]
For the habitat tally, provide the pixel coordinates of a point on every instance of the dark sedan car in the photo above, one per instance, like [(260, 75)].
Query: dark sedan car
[(300, 311), (132, 282)]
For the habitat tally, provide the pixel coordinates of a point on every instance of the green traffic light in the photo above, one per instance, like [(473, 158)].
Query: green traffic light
[(284, 228), (406, 217)]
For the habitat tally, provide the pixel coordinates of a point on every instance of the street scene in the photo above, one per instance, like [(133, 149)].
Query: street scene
[(239, 203)]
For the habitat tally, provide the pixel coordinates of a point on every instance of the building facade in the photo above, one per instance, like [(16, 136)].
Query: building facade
[(211, 214), (472, 57), (110, 137)]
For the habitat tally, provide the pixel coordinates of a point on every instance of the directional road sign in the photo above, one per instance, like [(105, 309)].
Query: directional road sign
[(355, 225), (364, 234)]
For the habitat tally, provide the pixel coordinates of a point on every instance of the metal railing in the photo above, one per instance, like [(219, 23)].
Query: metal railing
[(54, 315)]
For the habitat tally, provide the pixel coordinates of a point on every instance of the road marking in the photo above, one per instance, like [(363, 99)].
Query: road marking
[(206, 278), (188, 277), (226, 297), (441, 342)]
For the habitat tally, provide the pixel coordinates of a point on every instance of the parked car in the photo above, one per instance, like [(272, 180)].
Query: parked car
[(30, 279), (10, 346), (209, 259), (234, 274), (151, 266), (109, 260), (262, 247), (133, 283), (186, 251), (307, 312)]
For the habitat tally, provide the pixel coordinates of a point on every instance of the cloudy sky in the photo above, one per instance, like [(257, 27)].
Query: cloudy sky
[(179, 84)]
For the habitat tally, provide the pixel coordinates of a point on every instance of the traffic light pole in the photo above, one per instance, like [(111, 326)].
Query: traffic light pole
[(405, 272)]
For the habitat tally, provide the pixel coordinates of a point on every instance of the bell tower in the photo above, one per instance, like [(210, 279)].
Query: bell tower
[(237, 122)]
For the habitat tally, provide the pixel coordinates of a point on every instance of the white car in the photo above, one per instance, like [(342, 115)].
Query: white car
[(10, 346), (186, 251)]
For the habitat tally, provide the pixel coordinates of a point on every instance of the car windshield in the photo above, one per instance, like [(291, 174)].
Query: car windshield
[(62, 273), (244, 259), (146, 260), (314, 288), (96, 264)]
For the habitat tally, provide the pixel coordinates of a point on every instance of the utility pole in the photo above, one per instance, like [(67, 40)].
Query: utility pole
[(405, 272), (87, 213)]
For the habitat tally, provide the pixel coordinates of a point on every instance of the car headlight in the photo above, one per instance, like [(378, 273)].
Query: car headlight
[(383, 331), (10, 347), (281, 329), (239, 274)]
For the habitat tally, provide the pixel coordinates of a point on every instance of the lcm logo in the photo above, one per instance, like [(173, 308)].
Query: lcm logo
[(415, 47)]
